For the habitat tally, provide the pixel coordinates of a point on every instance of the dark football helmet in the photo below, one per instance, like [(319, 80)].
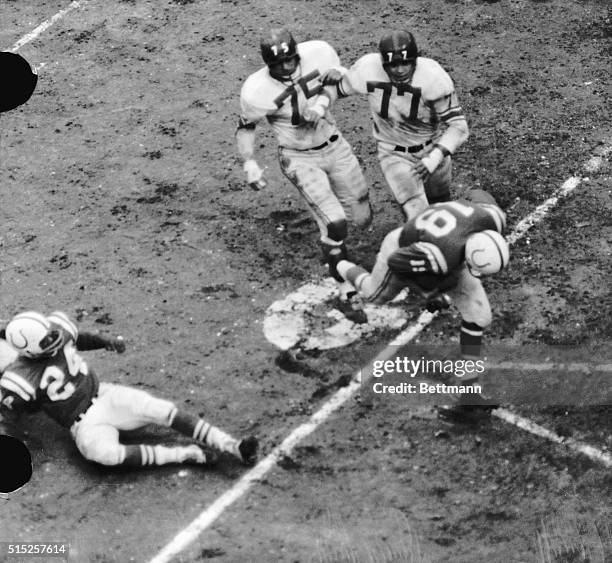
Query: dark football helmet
[(279, 52), (399, 52)]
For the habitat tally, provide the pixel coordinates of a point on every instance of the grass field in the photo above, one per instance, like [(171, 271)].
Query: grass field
[(125, 206)]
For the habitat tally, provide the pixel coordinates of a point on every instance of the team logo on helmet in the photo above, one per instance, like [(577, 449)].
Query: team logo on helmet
[(486, 252), (277, 48), (32, 335), (397, 49)]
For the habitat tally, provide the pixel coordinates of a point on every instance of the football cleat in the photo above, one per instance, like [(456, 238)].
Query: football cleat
[(351, 308), (438, 303), (464, 414), (469, 409), (248, 448), (486, 252), (32, 335), (195, 454)]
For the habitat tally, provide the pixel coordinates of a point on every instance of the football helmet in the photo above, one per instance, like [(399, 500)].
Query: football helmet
[(279, 52), (398, 50), (33, 336), (486, 252)]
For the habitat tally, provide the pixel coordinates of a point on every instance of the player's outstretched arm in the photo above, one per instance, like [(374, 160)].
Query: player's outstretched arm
[(245, 144), (333, 76), (89, 341)]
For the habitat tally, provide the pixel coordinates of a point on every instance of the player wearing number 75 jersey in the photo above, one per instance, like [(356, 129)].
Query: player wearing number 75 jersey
[(417, 120), (312, 152), (45, 372), (441, 252)]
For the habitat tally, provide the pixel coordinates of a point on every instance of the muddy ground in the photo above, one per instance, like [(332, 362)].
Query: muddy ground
[(124, 205)]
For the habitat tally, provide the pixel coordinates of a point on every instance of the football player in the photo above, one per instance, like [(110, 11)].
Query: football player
[(417, 121), (47, 373), (440, 254), (312, 152)]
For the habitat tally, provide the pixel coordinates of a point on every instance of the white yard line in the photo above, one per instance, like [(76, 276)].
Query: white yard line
[(44, 25), (213, 511), (574, 445), (208, 516)]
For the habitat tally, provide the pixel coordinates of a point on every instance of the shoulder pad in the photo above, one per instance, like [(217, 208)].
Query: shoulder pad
[(63, 321), (366, 69), (496, 214), (257, 95), (317, 54), (433, 80)]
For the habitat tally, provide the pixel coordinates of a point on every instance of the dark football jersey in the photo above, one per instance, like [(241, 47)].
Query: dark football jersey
[(62, 385), (447, 226)]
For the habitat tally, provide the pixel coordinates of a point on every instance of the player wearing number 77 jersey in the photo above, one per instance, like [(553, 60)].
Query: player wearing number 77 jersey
[(417, 121), (312, 152), (441, 251), (45, 372)]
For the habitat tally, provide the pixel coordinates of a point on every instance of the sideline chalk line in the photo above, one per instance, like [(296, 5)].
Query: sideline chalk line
[(44, 25), (213, 511)]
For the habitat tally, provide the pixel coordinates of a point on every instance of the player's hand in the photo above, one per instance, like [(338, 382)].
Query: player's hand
[(314, 113), (116, 345), (429, 163), (254, 175), (332, 77), (422, 171)]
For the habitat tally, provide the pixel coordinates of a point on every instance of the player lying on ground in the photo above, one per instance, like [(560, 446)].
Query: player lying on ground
[(312, 152), (416, 118), (442, 252), (46, 373)]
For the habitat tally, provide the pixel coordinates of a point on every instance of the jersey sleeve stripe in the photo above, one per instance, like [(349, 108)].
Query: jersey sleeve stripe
[(62, 320), (454, 113), (18, 379), (16, 387), (436, 254)]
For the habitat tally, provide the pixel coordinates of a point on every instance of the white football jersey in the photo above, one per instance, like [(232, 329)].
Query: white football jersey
[(405, 114), (282, 103)]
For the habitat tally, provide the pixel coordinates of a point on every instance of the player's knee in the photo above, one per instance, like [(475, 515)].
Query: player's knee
[(158, 411), (101, 452), (413, 206), (337, 230), (486, 320), (482, 318)]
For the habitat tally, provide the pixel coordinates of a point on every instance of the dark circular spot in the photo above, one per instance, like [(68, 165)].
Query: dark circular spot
[(18, 81), (16, 465)]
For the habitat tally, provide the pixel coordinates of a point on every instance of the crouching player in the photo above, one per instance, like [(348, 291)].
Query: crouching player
[(47, 373), (441, 253)]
